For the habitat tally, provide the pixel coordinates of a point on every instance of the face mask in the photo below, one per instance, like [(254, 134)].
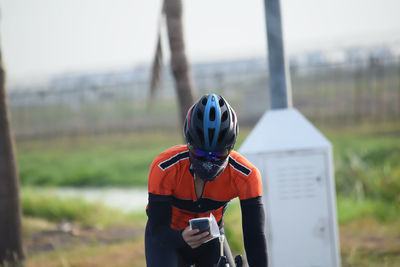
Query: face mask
[(208, 170)]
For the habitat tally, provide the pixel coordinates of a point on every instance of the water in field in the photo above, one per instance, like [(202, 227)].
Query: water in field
[(125, 199)]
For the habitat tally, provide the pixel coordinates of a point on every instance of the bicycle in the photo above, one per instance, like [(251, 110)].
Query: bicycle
[(223, 260)]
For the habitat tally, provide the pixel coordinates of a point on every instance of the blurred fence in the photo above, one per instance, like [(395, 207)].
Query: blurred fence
[(329, 94)]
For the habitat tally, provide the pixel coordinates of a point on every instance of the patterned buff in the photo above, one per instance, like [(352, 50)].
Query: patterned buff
[(208, 170)]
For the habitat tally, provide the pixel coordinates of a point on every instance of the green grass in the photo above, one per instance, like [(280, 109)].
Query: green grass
[(233, 227), (367, 162), (350, 209), (87, 161), (55, 209), (117, 160)]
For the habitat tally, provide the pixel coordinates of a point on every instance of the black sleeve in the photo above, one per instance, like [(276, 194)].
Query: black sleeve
[(253, 219), (159, 214)]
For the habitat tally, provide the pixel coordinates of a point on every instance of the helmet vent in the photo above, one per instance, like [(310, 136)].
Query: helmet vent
[(212, 114), (222, 135), (221, 102), (204, 101), (200, 134), (224, 116), (211, 133), (200, 115)]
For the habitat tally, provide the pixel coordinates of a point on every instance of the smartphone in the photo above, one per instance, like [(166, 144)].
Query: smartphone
[(203, 224)]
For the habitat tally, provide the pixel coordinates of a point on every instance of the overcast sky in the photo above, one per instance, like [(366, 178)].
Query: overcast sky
[(41, 37)]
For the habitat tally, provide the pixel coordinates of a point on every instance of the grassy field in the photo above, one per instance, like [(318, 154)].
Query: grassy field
[(74, 232), (367, 173), (55, 209), (367, 161), (116, 160), (94, 161), (104, 237), (369, 156)]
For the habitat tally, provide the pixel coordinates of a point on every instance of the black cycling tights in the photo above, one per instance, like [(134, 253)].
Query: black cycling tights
[(156, 255)]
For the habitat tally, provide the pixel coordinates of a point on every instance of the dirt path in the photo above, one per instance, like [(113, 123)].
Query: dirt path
[(68, 235), (364, 243), (367, 243)]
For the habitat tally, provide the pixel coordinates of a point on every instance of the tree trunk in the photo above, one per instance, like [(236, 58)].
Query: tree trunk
[(10, 211), (179, 63)]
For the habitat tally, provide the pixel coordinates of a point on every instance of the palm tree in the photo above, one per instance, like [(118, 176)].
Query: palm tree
[(179, 62), (10, 210)]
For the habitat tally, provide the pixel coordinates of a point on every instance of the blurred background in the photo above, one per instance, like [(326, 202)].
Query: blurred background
[(78, 78)]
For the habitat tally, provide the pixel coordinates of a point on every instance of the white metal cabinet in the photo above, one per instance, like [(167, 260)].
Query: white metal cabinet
[(295, 162), (298, 211)]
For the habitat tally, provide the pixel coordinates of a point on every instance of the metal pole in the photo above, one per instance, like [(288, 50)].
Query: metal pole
[(279, 76)]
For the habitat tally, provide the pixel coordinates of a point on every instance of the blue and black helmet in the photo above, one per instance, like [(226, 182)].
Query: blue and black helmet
[(211, 124)]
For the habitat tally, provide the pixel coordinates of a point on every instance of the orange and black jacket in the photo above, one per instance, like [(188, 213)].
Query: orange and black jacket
[(173, 201)]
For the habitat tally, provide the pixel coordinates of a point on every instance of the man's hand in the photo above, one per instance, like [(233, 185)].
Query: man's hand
[(193, 239)]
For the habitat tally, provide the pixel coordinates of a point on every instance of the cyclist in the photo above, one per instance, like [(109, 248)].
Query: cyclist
[(199, 178)]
